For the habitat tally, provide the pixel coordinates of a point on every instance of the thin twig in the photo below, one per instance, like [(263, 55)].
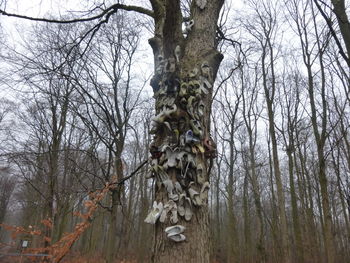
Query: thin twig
[(132, 174)]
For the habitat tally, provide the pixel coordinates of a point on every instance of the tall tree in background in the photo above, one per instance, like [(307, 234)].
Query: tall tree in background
[(47, 108), (229, 106), (265, 30), (292, 114), (109, 99), (251, 113), (304, 21)]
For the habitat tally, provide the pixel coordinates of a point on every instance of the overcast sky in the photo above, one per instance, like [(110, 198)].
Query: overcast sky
[(14, 29)]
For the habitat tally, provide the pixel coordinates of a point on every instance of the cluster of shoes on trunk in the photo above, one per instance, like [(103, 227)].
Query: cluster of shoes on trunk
[(181, 144)]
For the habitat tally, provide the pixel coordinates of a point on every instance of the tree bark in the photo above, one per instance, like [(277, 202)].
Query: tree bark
[(343, 22), (186, 67)]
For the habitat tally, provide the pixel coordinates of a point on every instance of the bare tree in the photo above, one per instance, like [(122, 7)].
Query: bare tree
[(251, 114), (265, 33), (318, 115), (109, 98)]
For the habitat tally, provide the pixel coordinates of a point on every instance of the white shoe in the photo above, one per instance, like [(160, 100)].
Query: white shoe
[(174, 230), (181, 205), (173, 218), (195, 197), (155, 213), (188, 209), (177, 238)]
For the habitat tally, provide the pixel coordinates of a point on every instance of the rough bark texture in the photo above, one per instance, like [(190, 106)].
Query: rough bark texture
[(185, 69), (343, 21), (196, 247)]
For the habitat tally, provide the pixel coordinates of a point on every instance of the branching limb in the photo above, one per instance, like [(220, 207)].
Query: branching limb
[(333, 33), (132, 174), (225, 79), (221, 36), (107, 12)]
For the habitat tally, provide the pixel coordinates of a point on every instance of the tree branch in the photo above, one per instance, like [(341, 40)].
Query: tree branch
[(132, 174), (109, 11), (333, 33)]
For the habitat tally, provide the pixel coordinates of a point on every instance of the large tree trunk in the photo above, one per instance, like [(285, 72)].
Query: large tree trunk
[(185, 71)]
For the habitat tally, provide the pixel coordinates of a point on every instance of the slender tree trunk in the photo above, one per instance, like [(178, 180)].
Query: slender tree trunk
[(219, 235), (295, 213), (112, 230), (232, 246), (250, 119), (341, 195), (218, 206), (274, 217), (144, 233), (116, 195), (269, 96), (320, 139), (256, 194), (246, 223)]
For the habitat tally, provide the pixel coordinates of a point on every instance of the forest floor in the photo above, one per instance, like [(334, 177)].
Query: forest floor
[(73, 258)]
